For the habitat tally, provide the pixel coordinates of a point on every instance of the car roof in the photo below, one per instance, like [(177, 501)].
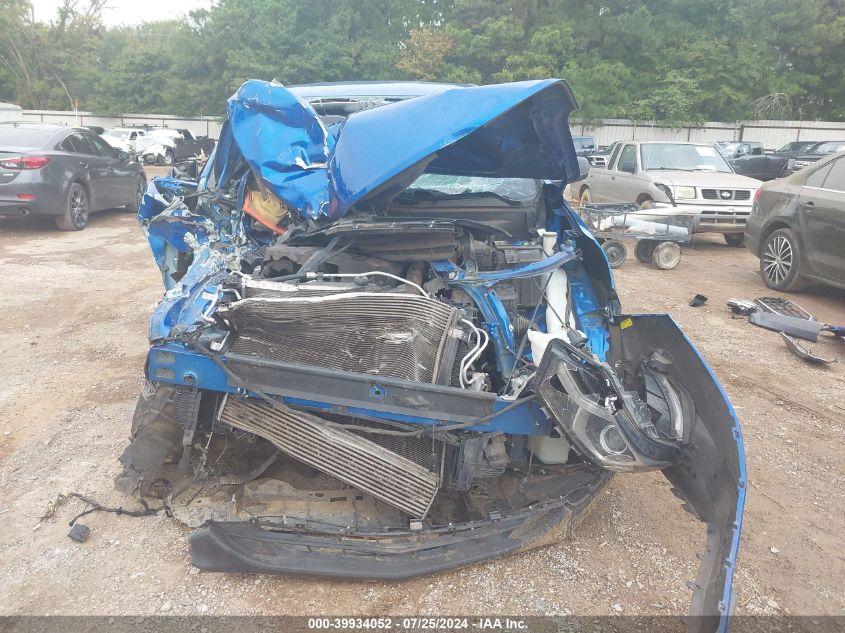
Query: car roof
[(372, 89), (36, 125), (671, 143)]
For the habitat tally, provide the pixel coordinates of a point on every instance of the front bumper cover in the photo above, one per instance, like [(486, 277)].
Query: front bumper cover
[(249, 547)]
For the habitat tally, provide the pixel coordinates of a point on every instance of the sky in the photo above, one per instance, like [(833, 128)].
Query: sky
[(127, 11)]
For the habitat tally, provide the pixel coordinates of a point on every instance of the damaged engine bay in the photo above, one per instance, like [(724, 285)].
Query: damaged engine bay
[(388, 347)]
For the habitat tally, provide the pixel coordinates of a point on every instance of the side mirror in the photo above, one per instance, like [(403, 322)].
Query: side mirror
[(583, 169), (122, 155)]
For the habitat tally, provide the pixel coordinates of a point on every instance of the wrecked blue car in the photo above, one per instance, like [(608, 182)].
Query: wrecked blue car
[(388, 347)]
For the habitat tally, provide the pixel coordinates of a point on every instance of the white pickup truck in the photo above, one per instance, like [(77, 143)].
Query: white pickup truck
[(689, 176)]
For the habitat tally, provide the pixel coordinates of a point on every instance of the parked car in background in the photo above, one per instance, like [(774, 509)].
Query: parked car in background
[(736, 149), (769, 166), (64, 172), (689, 175), (165, 146), (600, 158), (124, 138), (815, 153), (584, 145), (797, 227)]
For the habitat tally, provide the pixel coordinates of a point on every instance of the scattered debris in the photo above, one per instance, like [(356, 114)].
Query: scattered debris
[(803, 352), (698, 300), (79, 532), (801, 328), (784, 307), (774, 550), (742, 307)]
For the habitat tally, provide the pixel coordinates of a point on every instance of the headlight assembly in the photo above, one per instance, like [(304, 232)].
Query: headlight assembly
[(609, 425), (684, 193)]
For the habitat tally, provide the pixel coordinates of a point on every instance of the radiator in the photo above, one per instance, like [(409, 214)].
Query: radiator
[(387, 334), (367, 466)]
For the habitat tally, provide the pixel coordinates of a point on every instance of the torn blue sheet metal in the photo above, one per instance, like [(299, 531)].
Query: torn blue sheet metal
[(516, 130)]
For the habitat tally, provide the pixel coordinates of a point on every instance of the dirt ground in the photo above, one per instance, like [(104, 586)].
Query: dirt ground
[(72, 347)]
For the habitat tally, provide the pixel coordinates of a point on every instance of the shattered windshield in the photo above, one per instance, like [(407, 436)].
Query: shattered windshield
[(682, 157), (515, 189)]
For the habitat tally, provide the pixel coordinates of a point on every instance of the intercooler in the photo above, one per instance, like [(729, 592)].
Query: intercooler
[(384, 333), (369, 467)]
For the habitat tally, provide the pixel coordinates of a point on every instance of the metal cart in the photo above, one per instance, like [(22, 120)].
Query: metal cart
[(658, 232)]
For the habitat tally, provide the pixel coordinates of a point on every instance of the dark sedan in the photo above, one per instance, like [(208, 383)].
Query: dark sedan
[(797, 227), (64, 172), (816, 152)]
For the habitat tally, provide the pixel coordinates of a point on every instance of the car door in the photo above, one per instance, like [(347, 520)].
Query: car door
[(599, 178), (622, 179), (89, 167), (821, 213), (104, 191), (123, 173)]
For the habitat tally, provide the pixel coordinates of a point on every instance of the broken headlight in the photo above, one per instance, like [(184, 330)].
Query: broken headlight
[(611, 426)]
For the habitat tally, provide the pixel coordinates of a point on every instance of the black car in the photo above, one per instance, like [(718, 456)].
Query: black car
[(769, 166), (64, 172), (797, 227), (816, 152)]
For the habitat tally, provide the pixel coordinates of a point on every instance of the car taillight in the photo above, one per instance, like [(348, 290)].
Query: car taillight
[(757, 193), (35, 162), (24, 162)]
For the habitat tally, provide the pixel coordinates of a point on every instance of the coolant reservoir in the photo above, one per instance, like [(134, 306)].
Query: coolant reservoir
[(549, 450)]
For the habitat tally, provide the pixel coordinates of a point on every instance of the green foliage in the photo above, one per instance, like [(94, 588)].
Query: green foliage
[(681, 61)]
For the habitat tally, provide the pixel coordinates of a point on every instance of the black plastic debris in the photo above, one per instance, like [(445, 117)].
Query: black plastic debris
[(801, 328), (803, 352), (741, 307), (784, 307), (698, 300), (79, 532)]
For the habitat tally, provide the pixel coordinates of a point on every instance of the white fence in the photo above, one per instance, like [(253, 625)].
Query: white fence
[(772, 134), (201, 126)]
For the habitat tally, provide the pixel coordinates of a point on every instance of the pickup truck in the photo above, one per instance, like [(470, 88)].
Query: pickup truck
[(165, 146), (769, 166)]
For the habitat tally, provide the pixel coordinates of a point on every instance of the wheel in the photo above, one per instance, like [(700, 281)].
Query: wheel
[(76, 209), (780, 261), (645, 250), (645, 202), (616, 252), (734, 239), (666, 255), (168, 158), (140, 188)]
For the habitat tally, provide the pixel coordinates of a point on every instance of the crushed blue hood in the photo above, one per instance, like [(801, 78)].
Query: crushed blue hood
[(514, 130)]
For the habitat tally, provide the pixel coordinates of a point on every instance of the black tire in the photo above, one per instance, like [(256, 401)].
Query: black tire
[(616, 252), (780, 261), (169, 158), (77, 209), (666, 255), (734, 239), (644, 251), (140, 188)]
